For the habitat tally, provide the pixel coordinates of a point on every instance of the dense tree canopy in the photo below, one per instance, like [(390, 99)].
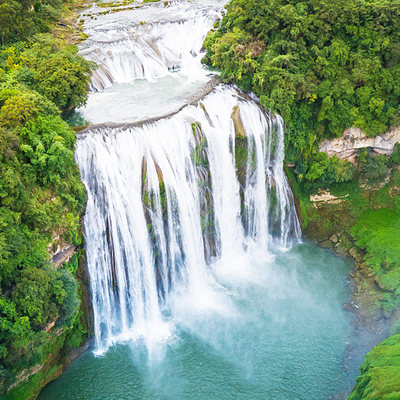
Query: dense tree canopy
[(21, 19), (324, 65), (41, 195)]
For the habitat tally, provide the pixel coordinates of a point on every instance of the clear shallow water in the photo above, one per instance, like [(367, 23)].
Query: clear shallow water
[(142, 100), (277, 330)]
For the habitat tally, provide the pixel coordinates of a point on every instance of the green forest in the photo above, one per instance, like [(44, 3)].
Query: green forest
[(42, 80), (326, 66)]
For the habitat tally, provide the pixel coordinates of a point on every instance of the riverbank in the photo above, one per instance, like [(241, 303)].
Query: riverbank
[(333, 220)]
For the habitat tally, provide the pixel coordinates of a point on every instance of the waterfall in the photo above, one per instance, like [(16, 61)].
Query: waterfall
[(172, 199), (147, 50), (167, 200)]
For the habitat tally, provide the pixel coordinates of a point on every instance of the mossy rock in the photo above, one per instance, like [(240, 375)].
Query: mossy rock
[(380, 373)]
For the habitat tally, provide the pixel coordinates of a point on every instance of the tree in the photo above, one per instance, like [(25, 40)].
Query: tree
[(9, 18)]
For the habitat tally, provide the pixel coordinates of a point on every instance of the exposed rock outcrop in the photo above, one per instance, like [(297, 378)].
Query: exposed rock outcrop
[(353, 139), (325, 197), (64, 255), (237, 122)]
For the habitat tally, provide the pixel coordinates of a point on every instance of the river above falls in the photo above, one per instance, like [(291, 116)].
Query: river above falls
[(148, 57)]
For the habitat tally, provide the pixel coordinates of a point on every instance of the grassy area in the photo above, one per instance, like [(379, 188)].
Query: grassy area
[(377, 232)]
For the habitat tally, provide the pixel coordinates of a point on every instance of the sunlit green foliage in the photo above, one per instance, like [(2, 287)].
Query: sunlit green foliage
[(45, 67), (41, 195), (380, 373), (21, 19), (323, 65), (56, 73), (377, 232)]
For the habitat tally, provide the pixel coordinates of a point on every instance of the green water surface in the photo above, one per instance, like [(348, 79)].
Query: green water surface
[(281, 334)]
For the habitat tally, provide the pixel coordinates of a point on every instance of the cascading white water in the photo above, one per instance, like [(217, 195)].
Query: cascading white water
[(148, 59), (147, 50), (165, 203)]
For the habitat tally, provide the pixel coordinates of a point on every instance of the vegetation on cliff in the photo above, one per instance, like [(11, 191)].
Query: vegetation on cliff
[(377, 232), (380, 373), (41, 195), (323, 65)]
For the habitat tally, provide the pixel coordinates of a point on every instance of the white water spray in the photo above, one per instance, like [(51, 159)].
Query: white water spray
[(165, 204), (148, 50)]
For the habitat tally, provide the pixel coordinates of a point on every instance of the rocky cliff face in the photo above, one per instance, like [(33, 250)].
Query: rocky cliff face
[(353, 139)]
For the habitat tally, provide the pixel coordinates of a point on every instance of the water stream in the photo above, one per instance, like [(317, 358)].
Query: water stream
[(201, 286)]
